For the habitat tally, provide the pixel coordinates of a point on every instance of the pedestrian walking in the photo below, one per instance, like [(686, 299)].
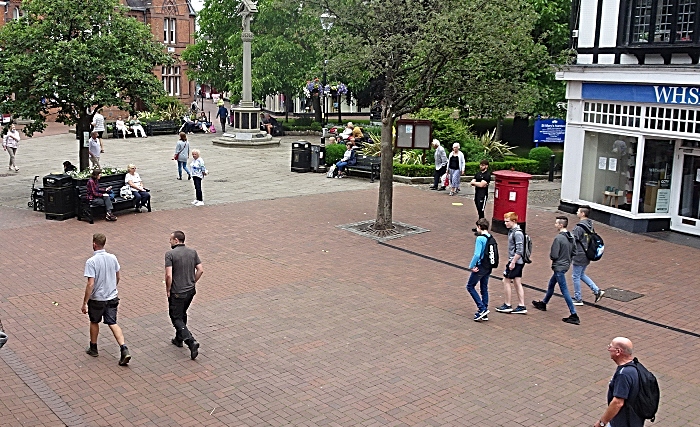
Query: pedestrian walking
[(199, 171), (98, 123), (183, 269), (513, 273), (10, 143), (440, 165), (622, 387), (561, 253), (101, 297), (480, 267), (95, 149), (222, 114), (481, 187), (581, 261), (182, 154), (455, 168)]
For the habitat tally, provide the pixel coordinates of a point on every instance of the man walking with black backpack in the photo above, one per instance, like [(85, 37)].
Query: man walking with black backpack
[(623, 387), (484, 260), (581, 261)]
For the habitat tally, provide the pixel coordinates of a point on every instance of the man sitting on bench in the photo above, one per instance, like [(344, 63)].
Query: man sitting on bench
[(268, 123)]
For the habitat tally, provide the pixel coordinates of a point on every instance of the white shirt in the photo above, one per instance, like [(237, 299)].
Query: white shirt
[(135, 180), (98, 120), (11, 140), (94, 147)]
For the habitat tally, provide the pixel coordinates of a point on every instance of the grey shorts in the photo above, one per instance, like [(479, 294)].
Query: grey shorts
[(107, 310)]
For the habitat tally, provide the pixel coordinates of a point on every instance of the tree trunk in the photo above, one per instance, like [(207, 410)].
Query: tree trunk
[(386, 178), (82, 129), (316, 99), (499, 129), (286, 108)]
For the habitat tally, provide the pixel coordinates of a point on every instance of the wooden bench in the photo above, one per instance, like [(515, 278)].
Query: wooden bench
[(168, 127), (366, 164), (87, 209)]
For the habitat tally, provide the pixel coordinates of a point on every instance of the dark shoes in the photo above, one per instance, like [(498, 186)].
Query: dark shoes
[(110, 217), (125, 356), (176, 342), (542, 306), (432, 188), (194, 349), (92, 350), (189, 177), (180, 178), (573, 319), (441, 189)]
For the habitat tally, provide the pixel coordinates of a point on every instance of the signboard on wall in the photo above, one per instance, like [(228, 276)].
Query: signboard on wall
[(648, 94), (413, 133), (549, 131)]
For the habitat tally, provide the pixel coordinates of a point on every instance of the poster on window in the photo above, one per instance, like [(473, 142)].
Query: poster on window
[(663, 200), (602, 163), (697, 175), (612, 164)]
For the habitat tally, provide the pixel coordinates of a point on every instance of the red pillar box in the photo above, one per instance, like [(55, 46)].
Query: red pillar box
[(510, 195)]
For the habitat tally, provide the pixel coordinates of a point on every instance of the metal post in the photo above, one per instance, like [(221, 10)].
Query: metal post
[(324, 119), (551, 168)]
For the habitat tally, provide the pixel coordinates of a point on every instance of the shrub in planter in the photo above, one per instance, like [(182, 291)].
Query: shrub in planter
[(470, 168), (334, 152), (542, 156)]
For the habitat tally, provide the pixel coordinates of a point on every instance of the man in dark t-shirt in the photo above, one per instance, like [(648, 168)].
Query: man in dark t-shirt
[(481, 187), (623, 386), (183, 269)]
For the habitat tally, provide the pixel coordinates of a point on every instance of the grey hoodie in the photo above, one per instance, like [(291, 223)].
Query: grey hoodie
[(581, 244), (562, 250)]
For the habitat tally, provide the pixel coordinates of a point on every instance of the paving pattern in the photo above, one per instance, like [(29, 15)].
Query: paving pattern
[(306, 324)]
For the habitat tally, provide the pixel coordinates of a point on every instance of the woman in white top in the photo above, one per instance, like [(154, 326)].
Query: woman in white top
[(141, 194), (121, 126), (198, 174), (136, 126), (455, 168), (10, 143)]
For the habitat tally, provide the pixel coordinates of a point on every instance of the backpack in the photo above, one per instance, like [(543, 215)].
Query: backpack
[(527, 248), (490, 255), (595, 246), (646, 403)]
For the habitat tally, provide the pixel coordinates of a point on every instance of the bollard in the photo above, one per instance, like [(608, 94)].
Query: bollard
[(551, 168)]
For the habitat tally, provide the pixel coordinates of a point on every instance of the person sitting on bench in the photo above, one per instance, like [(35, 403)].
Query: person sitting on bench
[(99, 197), (121, 126), (268, 123), (349, 159)]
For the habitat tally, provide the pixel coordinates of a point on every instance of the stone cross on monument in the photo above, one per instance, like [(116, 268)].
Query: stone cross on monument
[(246, 117)]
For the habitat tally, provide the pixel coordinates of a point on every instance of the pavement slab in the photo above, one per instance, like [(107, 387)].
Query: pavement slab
[(302, 323)]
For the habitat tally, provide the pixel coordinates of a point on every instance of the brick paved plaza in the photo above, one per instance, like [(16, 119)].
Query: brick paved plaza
[(304, 324)]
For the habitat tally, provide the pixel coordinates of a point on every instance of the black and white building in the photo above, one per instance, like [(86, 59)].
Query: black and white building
[(633, 122)]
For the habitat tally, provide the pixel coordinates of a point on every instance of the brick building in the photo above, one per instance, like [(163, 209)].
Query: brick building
[(172, 23)]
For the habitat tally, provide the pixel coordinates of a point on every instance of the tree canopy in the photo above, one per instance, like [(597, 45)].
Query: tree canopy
[(72, 56)]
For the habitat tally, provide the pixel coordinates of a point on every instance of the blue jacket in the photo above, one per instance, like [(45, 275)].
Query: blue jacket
[(223, 112)]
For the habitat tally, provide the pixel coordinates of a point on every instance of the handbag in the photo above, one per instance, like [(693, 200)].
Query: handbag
[(445, 180), (177, 155), (212, 129), (331, 172)]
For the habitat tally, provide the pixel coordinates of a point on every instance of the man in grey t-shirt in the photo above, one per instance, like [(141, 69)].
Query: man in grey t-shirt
[(101, 300), (183, 269)]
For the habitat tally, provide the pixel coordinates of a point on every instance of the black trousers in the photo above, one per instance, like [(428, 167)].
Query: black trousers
[(222, 120), (480, 202), (436, 177), (197, 187), (177, 309)]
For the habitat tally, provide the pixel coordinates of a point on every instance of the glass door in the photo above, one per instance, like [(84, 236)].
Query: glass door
[(687, 215)]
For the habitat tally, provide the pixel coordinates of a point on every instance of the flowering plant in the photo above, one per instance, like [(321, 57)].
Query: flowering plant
[(313, 86), (338, 88)]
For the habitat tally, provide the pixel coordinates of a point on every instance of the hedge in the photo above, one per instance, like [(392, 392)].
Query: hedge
[(528, 166), (334, 152)]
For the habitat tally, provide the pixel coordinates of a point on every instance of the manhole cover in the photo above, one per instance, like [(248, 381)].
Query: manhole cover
[(7, 174), (220, 180), (621, 294), (366, 228)]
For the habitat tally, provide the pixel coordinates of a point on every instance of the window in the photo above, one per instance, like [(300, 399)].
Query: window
[(171, 80), (169, 30), (655, 191), (608, 164), (16, 14), (662, 21)]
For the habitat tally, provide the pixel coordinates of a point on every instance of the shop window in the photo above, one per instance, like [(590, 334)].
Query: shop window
[(655, 189), (661, 21), (603, 113), (608, 169), (689, 202)]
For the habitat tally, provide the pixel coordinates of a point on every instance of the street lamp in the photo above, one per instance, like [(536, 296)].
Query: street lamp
[(327, 20)]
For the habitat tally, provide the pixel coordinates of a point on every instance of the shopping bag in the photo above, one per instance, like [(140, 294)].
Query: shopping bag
[(331, 172), (212, 129), (445, 180)]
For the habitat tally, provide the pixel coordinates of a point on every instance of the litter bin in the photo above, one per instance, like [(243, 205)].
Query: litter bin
[(318, 158), (301, 156), (510, 195), (59, 197)]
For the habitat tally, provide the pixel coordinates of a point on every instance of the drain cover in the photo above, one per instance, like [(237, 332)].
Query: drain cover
[(621, 294), (366, 228)]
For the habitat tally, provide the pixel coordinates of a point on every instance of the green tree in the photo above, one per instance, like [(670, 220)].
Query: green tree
[(285, 50), (431, 53), (73, 56)]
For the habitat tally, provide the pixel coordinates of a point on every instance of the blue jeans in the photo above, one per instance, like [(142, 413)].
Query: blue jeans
[(141, 198), (481, 277), (180, 167), (559, 277), (578, 274), (341, 165)]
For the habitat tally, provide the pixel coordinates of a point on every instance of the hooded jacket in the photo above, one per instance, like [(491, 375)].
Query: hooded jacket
[(581, 244), (563, 248)]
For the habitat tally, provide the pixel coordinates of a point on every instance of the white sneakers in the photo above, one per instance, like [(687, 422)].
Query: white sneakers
[(199, 203)]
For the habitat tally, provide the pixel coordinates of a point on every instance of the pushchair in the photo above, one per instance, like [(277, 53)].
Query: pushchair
[(37, 198)]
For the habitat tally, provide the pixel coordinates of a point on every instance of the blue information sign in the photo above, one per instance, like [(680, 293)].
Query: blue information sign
[(550, 131)]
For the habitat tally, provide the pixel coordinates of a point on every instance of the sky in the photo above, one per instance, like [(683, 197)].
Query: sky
[(197, 4)]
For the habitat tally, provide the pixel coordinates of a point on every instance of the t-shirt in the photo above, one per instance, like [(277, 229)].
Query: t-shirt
[(135, 179), (103, 267), (482, 176), (99, 121), (94, 147), (183, 260), (625, 384)]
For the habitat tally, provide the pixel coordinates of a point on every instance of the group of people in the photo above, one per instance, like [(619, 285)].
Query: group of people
[(183, 269), (104, 196), (196, 171), (449, 170), (131, 127), (202, 123)]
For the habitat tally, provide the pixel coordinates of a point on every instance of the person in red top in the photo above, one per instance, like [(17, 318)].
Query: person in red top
[(98, 196)]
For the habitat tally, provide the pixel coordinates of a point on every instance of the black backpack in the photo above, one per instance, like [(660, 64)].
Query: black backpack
[(595, 246), (527, 248), (646, 403), (490, 255)]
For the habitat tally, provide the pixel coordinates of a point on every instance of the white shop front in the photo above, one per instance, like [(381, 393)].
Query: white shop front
[(632, 152)]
